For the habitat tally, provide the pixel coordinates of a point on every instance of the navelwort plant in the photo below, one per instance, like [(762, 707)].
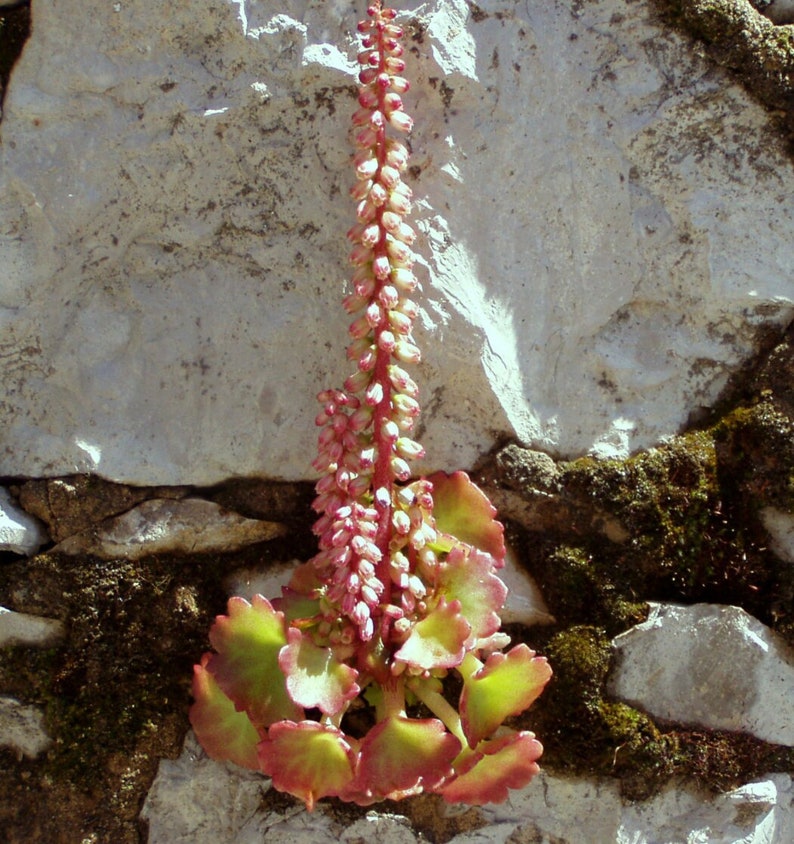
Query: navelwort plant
[(380, 672)]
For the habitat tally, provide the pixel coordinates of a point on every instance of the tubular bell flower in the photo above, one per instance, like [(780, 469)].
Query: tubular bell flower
[(404, 588)]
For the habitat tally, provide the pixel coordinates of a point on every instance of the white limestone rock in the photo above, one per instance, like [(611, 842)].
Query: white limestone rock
[(780, 526), (20, 533), (171, 526), (708, 665), (22, 728), (551, 810), (21, 628), (605, 224)]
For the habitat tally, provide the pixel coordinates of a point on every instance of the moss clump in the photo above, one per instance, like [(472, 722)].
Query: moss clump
[(585, 733)]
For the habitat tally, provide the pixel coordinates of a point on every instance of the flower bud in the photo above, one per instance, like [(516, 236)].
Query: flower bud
[(389, 176), (374, 394), (401, 522), (381, 267), (374, 314), (378, 194), (404, 232), (359, 328), (409, 449), (397, 155), (386, 341), (405, 404), (357, 381), (391, 221), (390, 431), (400, 322), (361, 418), (388, 296), (401, 254), (366, 211), (394, 64), (392, 102), (400, 84), (360, 255), (401, 121), (400, 469), (403, 279), (367, 98)]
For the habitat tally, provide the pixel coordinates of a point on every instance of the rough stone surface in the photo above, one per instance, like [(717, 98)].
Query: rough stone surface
[(596, 261), (19, 532), (22, 728), (166, 526), (708, 665), (780, 526), (20, 628), (552, 810)]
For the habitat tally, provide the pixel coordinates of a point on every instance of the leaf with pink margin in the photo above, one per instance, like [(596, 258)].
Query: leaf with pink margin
[(402, 756), (470, 579), (308, 760), (438, 640), (462, 511), (487, 775), (224, 732), (315, 678), (248, 641), (506, 685)]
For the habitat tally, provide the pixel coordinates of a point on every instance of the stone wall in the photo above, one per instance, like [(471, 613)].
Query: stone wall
[(605, 220)]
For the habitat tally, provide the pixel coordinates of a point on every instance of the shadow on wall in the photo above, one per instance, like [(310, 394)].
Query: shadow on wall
[(14, 31)]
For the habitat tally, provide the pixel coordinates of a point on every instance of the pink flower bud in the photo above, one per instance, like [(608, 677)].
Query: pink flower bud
[(370, 235), (388, 296), (361, 419), (360, 190), (367, 75), (392, 102), (409, 449), (377, 120), (405, 404), (363, 57), (400, 322), (361, 118), (378, 194), (386, 341), (389, 176), (397, 155), (400, 469), (391, 221), (401, 522), (381, 267), (359, 486), (383, 81), (390, 431), (366, 211), (399, 202), (401, 121), (403, 279), (404, 232), (393, 64), (359, 328), (400, 84), (357, 381), (360, 255), (369, 594), (366, 362), (374, 394), (382, 497), (401, 254), (367, 458), (393, 31), (367, 137), (374, 59), (367, 168), (409, 308), (374, 314)]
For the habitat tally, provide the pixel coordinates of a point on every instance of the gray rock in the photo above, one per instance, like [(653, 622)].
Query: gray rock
[(780, 526), (605, 223), (711, 666), (551, 810), (22, 728), (20, 533), (167, 526), (20, 628)]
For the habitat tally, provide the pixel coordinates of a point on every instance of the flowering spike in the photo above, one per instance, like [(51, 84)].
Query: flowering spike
[(401, 602)]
